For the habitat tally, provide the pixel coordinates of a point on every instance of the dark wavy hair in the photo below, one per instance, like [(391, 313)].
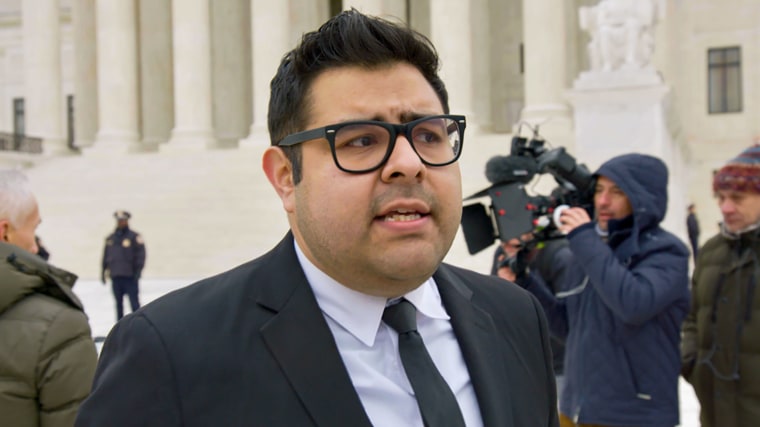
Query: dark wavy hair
[(348, 39)]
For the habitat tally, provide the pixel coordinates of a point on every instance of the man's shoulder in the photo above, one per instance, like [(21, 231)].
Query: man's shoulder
[(277, 271), (486, 288), (715, 244), (659, 238), (44, 310), (469, 276), (210, 297), (135, 235), (716, 240), (207, 290)]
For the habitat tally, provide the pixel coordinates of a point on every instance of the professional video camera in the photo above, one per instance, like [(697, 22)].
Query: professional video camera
[(512, 210)]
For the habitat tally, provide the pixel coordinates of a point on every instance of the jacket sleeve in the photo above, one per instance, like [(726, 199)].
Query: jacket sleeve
[(638, 293), (553, 308), (556, 275), (134, 384), (65, 368)]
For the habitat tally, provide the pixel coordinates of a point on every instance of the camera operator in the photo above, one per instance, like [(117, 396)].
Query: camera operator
[(621, 301), (516, 258)]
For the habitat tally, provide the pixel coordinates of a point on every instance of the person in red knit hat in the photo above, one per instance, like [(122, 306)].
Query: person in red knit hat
[(721, 335)]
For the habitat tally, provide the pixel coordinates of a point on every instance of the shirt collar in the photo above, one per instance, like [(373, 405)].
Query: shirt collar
[(361, 314)]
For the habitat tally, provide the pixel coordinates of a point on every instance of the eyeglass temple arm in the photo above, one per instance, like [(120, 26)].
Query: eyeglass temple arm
[(304, 136)]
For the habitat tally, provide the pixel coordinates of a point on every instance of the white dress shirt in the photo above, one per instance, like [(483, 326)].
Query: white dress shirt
[(369, 348)]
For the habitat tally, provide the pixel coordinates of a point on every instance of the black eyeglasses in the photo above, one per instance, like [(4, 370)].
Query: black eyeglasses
[(364, 146)]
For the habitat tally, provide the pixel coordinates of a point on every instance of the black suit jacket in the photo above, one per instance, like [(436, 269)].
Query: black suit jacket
[(250, 347)]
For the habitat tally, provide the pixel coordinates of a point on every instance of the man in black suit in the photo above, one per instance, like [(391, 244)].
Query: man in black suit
[(363, 157)]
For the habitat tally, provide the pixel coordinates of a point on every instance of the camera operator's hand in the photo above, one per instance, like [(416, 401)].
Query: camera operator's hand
[(512, 249), (504, 271), (572, 218)]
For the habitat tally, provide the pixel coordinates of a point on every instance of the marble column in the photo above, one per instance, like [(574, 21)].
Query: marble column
[(544, 32), (86, 73), (231, 70), (506, 80), (157, 98), (384, 8), (43, 97), (193, 118), (451, 33), (270, 28), (117, 74), (419, 16)]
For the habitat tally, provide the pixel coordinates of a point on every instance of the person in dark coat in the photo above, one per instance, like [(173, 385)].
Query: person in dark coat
[(364, 157), (123, 262), (622, 302), (721, 334), (692, 226)]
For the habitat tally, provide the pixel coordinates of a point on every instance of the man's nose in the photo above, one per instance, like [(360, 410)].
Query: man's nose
[(403, 159)]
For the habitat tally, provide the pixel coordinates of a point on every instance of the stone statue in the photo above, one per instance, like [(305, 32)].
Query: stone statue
[(622, 33)]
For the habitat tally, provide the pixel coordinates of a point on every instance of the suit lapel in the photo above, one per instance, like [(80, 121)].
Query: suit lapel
[(478, 340), (301, 342)]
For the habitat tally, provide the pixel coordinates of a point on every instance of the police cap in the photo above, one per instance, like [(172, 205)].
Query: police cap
[(121, 215)]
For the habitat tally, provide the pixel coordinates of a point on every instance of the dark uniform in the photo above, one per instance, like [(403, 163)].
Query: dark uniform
[(123, 260), (692, 226)]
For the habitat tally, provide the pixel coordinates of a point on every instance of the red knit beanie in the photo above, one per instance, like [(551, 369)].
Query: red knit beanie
[(741, 173)]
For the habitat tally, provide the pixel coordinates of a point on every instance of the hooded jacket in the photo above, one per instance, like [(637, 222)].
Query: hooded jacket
[(47, 356), (721, 334), (621, 306)]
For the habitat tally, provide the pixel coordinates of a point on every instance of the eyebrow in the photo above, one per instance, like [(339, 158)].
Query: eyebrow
[(406, 117)]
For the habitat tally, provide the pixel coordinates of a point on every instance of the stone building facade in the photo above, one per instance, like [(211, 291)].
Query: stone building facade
[(154, 77)]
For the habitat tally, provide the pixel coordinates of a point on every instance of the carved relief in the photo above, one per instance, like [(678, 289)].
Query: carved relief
[(622, 33)]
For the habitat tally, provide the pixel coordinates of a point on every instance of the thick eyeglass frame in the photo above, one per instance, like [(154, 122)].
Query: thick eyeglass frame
[(394, 130)]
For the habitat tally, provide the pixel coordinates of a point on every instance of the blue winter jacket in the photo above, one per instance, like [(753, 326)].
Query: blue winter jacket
[(621, 307)]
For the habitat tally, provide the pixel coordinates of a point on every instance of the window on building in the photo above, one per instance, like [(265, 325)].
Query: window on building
[(724, 80)]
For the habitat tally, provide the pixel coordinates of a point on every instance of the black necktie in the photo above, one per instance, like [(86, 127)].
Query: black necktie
[(437, 403)]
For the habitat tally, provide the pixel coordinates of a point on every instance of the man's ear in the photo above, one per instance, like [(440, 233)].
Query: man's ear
[(279, 172)]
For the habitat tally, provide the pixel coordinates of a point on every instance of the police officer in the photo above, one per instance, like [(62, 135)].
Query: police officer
[(123, 261)]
